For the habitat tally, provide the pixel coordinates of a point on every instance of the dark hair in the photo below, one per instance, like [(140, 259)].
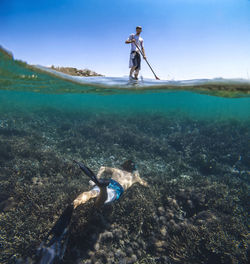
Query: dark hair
[(129, 166), (139, 27)]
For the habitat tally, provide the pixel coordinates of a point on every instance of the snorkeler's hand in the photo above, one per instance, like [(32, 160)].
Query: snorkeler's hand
[(144, 57), (144, 183), (133, 40)]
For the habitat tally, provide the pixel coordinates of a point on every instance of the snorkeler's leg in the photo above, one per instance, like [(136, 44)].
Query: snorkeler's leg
[(102, 197), (84, 197), (55, 243)]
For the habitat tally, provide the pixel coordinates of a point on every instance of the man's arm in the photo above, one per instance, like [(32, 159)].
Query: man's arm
[(142, 49), (139, 179), (143, 52), (128, 41)]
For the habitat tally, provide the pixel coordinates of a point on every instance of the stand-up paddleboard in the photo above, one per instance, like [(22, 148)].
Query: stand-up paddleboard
[(225, 87), (132, 81)]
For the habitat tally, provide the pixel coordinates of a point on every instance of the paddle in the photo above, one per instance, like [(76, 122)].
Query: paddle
[(147, 62)]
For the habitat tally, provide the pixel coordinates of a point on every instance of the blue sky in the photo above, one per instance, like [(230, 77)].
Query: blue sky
[(184, 39)]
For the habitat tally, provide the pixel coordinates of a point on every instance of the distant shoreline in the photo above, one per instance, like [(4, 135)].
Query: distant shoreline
[(75, 72)]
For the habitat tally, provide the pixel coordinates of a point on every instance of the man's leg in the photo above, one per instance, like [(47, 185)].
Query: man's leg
[(138, 65), (131, 71), (84, 197), (102, 197), (136, 74)]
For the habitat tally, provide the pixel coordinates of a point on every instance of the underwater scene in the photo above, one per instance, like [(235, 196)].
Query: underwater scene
[(190, 142)]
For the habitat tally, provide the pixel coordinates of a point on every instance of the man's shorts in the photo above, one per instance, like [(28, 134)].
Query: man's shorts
[(135, 60), (114, 191)]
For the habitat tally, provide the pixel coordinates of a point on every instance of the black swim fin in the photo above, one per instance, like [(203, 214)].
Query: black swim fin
[(62, 222), (91, 174), (52, 249)]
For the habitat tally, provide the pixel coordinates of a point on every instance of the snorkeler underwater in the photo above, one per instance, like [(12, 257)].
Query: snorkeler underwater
[(106, 191)]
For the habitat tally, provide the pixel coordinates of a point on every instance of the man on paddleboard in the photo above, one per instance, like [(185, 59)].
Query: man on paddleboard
[(135, 59)]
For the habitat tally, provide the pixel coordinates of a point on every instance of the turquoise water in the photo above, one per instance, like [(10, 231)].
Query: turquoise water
[(187, 103), (191, 146)]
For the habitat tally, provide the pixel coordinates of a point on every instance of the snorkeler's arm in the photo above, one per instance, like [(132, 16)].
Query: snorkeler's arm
[(143, 182), (139, 179)]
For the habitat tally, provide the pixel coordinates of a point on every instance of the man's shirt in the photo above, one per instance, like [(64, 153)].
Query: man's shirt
[(139, 42)]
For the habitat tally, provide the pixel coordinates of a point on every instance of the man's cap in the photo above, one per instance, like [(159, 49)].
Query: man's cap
[(139, 27)]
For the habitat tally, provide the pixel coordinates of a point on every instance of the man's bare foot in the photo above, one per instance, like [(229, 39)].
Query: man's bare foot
[(132, 78)]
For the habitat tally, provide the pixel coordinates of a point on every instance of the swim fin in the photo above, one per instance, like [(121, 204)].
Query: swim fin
[(52, 250), (91, 174)]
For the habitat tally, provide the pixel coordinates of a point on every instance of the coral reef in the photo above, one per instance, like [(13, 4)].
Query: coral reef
[(75, 71), (195, 210)]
